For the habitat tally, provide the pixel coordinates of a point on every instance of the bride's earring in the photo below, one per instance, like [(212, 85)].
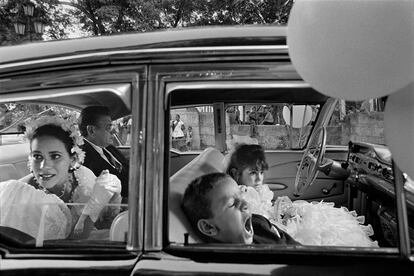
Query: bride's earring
[(72, 166), (29, 165)]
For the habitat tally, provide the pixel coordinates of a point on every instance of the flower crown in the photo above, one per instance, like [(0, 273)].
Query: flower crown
[(68, 125)]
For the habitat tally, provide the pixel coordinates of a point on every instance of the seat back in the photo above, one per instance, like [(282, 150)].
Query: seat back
[(209, 161), (119, 227), (7, 172), (13, 161)]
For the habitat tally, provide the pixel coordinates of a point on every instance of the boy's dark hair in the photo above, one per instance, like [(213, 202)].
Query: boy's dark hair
[(245, 156), (90, 116), (196, 204)]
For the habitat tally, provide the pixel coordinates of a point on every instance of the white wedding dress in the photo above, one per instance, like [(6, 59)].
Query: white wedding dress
[(310, 223), (45, 216)]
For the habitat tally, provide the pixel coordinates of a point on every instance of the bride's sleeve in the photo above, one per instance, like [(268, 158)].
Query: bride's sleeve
[(98, 197), (86, 179), (40, 215)]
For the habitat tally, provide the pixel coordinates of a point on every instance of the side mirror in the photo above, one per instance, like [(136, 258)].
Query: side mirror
[(297, 116)]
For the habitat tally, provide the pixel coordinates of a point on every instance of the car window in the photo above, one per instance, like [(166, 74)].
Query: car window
[(360, 126), (274, 126), (13, 117), (192, 128), (39, 216), (409, 192), (357, 208), (122, 131), (361, 121)]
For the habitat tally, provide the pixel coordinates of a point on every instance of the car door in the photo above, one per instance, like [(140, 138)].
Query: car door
[(104, 250)]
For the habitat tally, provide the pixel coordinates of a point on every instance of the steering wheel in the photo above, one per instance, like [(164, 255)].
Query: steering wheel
[(311, 161)]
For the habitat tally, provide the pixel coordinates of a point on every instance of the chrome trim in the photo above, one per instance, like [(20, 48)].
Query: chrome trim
[(137, 168), (122, 90), (274, 49), (239, 84), (22, 264), (155, 163), (402, 216)]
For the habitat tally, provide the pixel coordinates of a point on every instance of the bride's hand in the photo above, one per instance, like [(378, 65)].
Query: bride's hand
[(80, 224), (108, 181)]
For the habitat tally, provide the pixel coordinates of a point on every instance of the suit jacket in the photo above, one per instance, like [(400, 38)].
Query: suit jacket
[(263, 233), (95, 162)]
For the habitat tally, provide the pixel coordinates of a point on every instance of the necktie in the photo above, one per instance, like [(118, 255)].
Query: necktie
[(112, 160)]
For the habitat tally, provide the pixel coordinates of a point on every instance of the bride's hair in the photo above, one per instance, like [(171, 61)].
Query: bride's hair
[(56, 132), (63, 129)]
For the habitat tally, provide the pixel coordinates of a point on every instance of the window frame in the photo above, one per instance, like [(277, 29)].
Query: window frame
[(262, 253), (122, 91)]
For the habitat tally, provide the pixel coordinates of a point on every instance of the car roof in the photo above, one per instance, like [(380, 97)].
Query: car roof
[(188, 37), (171, 44)]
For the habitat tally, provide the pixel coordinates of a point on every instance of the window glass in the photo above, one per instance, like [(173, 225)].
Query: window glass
[(274, 126), (49, 201), (358, 122), (122, 131), (409, 190), (360, 126), (192, 128), (13, 117), (362, 212)]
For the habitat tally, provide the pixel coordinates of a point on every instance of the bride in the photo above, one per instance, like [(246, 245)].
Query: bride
[(59, 198)]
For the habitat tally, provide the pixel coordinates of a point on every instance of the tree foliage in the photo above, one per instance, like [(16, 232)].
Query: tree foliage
[(107, 16), (46, 11), (104, 17)]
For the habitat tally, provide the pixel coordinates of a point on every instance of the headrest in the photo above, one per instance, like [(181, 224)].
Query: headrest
[(209, 161)]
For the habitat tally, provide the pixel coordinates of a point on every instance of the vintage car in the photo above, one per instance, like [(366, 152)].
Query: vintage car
[(318, 149)]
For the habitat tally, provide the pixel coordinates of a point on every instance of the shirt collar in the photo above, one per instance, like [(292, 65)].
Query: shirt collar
[(97, 148)]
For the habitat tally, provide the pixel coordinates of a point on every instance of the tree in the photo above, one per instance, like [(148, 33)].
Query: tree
[(104, 17), (45, 11)]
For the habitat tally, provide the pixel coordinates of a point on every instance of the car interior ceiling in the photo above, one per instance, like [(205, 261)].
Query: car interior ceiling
[(116, 104), (283, 95)]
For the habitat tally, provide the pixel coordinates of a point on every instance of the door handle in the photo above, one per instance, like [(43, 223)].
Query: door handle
[(276, 186), (327, 191)]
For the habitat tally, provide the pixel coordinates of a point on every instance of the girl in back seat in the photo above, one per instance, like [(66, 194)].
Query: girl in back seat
[(310, 223)]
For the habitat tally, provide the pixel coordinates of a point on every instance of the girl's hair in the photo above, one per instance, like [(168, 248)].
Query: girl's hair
[(247, 156), (56, 132)]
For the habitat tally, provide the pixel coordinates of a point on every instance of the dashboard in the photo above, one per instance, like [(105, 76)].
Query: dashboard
[(370, 159), (372, 191)]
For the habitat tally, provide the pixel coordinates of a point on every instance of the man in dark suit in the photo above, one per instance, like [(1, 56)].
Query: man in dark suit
[(95, 125)]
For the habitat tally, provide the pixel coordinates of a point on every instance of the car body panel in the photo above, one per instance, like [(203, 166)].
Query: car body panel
[(173, 266)]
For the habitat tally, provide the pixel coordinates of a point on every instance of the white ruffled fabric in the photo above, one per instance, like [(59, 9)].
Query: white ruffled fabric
[(45, 216), (26, 209), (311, 223)]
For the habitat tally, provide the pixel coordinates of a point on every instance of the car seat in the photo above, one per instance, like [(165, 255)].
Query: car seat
[(209, 161), (119, 227)]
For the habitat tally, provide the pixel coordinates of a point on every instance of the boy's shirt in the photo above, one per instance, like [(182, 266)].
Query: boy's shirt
[(264, 234)]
